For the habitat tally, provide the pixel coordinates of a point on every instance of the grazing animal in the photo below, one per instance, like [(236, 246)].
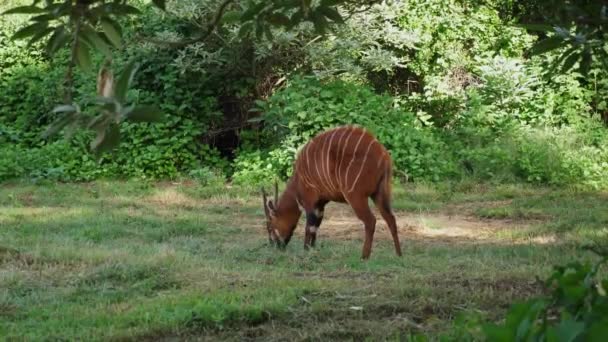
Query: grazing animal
[(344, 164)]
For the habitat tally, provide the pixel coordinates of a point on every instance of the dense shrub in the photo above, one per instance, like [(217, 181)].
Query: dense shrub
[(58, 161), (31, 87), (574, 307), (444, 85), (486, 142), (306, 107)]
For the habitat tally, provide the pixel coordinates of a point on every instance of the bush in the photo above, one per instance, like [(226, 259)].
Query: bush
[(561, 157), (162, 150), (574, 307), (59, 161), (307, 107)]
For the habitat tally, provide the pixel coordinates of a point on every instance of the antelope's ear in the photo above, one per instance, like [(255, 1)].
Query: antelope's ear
[(271, 208)]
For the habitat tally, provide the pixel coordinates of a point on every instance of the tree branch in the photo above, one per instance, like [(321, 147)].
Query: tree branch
[(210, 29), (68, 84)]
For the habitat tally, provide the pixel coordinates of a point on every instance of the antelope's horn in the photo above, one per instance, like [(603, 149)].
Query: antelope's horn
[(264, 197), (276, 192)]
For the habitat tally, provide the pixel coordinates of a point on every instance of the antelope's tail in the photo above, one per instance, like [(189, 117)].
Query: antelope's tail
[(385, 186)]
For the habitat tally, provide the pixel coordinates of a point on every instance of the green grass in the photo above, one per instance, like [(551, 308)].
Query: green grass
[(128, 260)]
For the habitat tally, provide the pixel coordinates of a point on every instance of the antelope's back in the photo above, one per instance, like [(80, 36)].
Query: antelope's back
[(343, 160)]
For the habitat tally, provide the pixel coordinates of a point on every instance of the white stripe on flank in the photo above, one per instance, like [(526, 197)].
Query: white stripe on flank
[(336, 166), (327, 173), (380, 160), (308, 163), (342, 157), (336, 163), (304, 178), (305, 169), (320, 179), (352, 159), (362, 165)]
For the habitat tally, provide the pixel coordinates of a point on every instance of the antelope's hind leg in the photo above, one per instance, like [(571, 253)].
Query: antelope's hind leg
[(384, 206), (361, 207)]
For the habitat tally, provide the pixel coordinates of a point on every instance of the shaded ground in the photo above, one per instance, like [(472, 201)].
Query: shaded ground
[(137, 261)]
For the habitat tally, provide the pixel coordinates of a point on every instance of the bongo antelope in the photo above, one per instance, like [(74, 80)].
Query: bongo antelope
[(344, 164)]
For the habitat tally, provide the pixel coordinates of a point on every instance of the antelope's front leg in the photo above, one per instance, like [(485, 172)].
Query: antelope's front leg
[(313, 221)]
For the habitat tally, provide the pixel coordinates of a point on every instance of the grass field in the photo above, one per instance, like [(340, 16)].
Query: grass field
[(141, 261)]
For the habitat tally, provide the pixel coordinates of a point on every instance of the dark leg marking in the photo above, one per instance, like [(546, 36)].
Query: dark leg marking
[(313, 222)]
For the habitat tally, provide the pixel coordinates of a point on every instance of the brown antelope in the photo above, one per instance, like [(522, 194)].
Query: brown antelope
[(344, 164)]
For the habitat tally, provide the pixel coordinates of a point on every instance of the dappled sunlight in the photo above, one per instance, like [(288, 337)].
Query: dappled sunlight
[(171, 197), (118, 249), (341, 223), (41, 214)]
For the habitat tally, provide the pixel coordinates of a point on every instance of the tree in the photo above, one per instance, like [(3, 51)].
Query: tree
[(579, 27), (86, 25)]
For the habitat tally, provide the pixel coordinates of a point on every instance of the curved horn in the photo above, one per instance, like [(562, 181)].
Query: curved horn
[(276, 192), (265, 199)]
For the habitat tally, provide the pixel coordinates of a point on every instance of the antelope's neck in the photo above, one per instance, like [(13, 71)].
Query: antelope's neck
[(288, 207)]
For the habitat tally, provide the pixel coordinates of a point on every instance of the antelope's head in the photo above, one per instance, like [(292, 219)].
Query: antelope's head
[(278, 229)]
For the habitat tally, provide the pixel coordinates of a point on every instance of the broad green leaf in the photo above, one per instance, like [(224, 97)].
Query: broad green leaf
[(536, 27), (560, 59), (597, 331), (110, 30), (552, 335), (295, 19), (93, 38), (58, 125), (546, 45), (278, 19), (43, 17), (123, 9), (231, 17), (58, 40), (326, 3), (98, 122), (498, 334), (145, 113), (268, 33), (40, 35), (60, 9), (64, 109), (107, 139), (124, 81), (252, 11), (83, 56), (259, 29), (24, 10), (245, 29), (585, 62), (332, 14), (569, 62), (569, 330), (319, 22), (160, 4), (30, 30)]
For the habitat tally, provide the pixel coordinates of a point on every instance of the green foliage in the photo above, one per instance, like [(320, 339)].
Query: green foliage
[(208, 177), (252, 167), (307, 107), (58, 161), (158, 151), (464, 101), (577, 28), (577, 309)]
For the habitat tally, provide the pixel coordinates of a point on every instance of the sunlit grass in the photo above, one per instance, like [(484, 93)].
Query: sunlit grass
[(130, 260)]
